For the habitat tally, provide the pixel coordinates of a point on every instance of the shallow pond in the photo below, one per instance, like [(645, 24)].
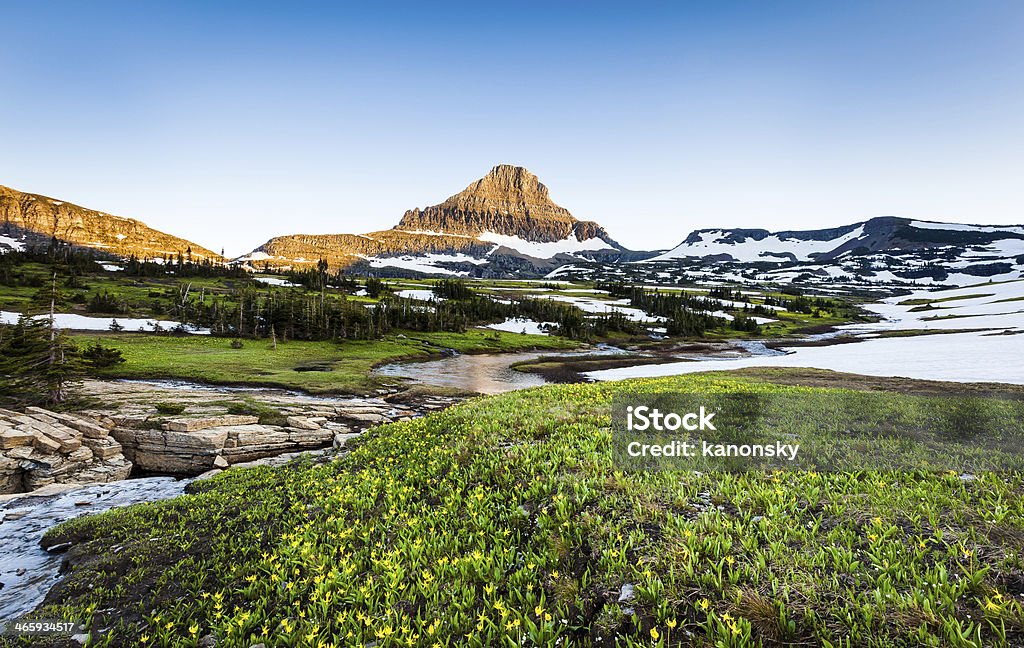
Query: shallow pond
[(485, 373)]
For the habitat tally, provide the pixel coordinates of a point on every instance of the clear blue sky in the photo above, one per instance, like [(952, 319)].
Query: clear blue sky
[(232, 123)]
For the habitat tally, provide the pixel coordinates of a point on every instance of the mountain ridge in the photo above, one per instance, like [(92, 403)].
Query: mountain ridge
[(34, 219), (504, 221), (879, 234), (508, 201), (506, 225)]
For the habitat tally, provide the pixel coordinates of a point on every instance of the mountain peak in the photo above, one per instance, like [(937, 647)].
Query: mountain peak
[(508, 191), (509, 183), (508, 201)]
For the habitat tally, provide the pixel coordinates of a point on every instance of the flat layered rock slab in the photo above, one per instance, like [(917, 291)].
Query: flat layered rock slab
[(197, 424), (40, 448)]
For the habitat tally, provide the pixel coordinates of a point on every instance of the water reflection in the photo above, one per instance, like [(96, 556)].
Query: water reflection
[(483, 373)]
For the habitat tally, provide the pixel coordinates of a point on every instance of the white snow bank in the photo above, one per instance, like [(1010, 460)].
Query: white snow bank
[(520, 325), (425, 295), (544, 250), (275, 281), (76, 322), (991, 355), (771, 247), (13, 244), (425, 263)]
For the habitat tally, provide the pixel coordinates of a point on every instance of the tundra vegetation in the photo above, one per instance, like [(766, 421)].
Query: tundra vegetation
[(504, 522)]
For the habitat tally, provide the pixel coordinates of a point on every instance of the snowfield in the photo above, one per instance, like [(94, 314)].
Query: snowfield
[(520, 325), (12, 244), (603, 307), (767, 249), (425, 263), (425, 295), (544, 250), (961, 227), (275, 281), (990, 355), (76, 322)]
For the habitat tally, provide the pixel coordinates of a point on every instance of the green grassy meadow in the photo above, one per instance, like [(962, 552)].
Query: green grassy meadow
[(503, 522), (316, 367)]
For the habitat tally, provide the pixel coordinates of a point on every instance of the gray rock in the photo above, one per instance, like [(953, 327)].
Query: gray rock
[(626, 593)]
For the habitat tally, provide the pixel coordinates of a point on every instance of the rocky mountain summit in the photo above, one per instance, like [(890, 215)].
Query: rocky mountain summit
[(28, 219), (508, 201), (504, 224)]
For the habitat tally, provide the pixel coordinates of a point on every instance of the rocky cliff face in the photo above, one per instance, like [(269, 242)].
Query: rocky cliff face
[(504, 220), (509, 201), (31, 219)]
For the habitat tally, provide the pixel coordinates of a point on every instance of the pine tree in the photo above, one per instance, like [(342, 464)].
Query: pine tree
[(39, 365)]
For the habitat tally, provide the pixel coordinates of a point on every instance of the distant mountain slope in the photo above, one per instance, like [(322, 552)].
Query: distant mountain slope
[(504, 223), (30, 219), (886, 251), (884, 234)]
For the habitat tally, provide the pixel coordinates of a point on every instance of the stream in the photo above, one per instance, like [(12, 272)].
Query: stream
[(27, 572), (484, 373), (493, 373)]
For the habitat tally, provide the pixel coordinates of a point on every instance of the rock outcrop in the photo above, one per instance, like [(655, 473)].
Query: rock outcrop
[(197, 444), (39, 447), (30, 219)]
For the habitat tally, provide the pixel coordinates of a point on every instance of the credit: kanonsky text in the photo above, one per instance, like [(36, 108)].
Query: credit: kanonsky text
[(647, 419)]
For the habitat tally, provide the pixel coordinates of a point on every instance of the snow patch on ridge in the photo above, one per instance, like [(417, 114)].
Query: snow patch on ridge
[(425, 263), (544, 250), (711, 243), (13, 244), (960, 227)]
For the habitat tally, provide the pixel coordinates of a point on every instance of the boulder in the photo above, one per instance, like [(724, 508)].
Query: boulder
[(102, 448), (81, 455), (205, 440), (342, 438), (303, 423), (310, 437), (45, 444), (369, 418), (12, 437)]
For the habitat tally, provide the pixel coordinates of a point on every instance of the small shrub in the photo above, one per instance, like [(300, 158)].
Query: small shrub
[(170, 408), (98, 356), (267, 415)]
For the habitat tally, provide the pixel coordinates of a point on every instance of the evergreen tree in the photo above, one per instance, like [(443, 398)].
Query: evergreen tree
[(39, 365)]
